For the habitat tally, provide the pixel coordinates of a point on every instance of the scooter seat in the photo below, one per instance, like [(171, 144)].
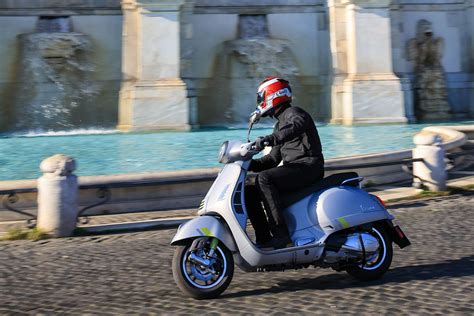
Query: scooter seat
[(331, 181)]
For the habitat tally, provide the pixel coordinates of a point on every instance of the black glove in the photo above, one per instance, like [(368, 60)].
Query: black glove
[(261, 143)]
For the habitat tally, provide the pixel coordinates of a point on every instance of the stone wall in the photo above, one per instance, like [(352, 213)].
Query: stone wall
[(336, 62), (453, 20), (99, 20), (364, 89), (302, 24)]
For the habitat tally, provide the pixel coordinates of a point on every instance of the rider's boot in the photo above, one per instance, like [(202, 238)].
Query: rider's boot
[(265, 245), (281, 237), (263, 240)]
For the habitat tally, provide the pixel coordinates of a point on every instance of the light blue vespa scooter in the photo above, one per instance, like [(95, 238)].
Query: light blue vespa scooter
[(333, 223)]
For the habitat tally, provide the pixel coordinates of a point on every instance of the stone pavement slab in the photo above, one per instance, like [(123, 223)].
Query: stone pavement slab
[(131, 274)]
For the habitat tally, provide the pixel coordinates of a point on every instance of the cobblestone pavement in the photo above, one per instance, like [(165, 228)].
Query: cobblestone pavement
[(131, 273)]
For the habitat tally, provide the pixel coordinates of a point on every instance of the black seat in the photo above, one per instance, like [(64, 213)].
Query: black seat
[(331, 181)]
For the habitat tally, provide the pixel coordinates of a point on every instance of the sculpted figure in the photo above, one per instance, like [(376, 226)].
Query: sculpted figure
[(241, 64), (426, 51)]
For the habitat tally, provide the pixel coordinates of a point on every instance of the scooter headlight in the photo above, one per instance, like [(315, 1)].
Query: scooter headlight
[(222, 158)]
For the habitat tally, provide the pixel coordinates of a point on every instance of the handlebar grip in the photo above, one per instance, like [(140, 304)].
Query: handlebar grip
[(253, 147)]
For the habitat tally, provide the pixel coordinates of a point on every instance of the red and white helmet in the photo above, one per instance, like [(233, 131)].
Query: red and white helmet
[(271, 93)]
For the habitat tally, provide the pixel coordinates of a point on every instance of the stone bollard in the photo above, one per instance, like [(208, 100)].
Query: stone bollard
[(433, 170), (57, 196)]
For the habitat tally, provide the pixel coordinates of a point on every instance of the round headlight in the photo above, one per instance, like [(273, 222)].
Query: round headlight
[(222, 152)]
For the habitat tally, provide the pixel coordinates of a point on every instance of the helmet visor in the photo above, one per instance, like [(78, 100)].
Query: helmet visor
[(260, 97)]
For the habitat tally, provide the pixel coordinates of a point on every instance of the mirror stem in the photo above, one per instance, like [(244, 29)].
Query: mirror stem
[(248, 134)]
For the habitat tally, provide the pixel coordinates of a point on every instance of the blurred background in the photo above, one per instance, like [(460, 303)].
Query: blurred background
[(153, 64), (76, 67)]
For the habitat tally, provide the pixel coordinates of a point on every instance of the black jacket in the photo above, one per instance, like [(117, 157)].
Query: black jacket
[(295, 139)]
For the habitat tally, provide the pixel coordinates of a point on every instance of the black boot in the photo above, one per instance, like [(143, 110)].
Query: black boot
[(281, 237), (267, 245), (264, 242)]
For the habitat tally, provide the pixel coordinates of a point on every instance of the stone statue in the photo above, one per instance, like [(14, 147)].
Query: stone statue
[(241, 64), (426, 52)]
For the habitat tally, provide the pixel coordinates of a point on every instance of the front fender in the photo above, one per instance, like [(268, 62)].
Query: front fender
[(205, 226)]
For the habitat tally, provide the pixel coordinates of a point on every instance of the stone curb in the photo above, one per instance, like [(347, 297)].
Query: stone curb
[(131, 226), (174, 222), (168, 223)]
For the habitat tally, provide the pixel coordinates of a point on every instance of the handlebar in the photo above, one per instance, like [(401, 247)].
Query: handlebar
[(252, 145), (248, 150)]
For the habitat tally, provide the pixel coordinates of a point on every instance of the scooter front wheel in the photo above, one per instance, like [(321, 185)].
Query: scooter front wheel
[(202, 273)]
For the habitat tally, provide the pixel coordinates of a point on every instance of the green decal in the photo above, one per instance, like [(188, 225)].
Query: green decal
[(343, 222), (214, 243), (207, 232)]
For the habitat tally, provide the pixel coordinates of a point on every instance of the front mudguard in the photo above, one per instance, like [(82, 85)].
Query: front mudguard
[(205, 226)]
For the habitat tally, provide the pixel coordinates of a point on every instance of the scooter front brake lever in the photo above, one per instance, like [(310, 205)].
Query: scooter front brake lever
[(246, 148)]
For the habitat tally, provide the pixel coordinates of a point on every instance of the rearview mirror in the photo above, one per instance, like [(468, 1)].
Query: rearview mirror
[(254, 117)]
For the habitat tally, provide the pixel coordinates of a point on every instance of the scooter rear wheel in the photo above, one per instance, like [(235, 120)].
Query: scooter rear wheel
[(198, 281), (376, 267)]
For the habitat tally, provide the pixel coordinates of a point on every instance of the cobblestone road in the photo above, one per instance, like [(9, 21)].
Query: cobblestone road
[(131, 273)]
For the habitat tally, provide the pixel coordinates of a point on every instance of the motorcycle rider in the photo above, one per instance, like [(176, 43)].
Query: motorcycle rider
[(295, 141)]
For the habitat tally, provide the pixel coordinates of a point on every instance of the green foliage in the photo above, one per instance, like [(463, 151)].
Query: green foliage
[(33, 234), (427, 194), (469, 187)]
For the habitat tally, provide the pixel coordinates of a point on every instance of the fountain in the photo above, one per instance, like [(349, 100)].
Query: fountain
[(426, 51), (240, 66), (56, 89)]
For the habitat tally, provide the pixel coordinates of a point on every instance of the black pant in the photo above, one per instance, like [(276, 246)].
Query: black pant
[(269, 185)]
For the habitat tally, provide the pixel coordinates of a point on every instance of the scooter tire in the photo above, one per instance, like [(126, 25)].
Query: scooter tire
[(188, 288), (380, 268)]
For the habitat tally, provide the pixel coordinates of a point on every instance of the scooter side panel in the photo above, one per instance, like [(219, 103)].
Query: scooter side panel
[(205, 226), (327, 211), (343, 207), (297, 216), (302, 221)]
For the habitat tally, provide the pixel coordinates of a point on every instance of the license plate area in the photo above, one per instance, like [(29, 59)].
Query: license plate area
[(399, 237)]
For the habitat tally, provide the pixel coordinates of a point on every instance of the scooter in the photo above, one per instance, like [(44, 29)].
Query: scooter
[(333, 224)]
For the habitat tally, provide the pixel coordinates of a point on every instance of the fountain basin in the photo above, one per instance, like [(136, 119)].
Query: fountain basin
[(152, 191), (105, 152)]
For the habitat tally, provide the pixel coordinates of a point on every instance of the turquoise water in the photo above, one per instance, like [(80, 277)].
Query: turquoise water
[(109, 152)]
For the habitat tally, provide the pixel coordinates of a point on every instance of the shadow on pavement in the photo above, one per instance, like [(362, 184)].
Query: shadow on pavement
[(448, 269)]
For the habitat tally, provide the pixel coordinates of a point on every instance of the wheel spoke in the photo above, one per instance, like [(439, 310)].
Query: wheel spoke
[(205, 276)]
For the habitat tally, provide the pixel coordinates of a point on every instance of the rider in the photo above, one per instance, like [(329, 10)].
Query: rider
[(295, 141)]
